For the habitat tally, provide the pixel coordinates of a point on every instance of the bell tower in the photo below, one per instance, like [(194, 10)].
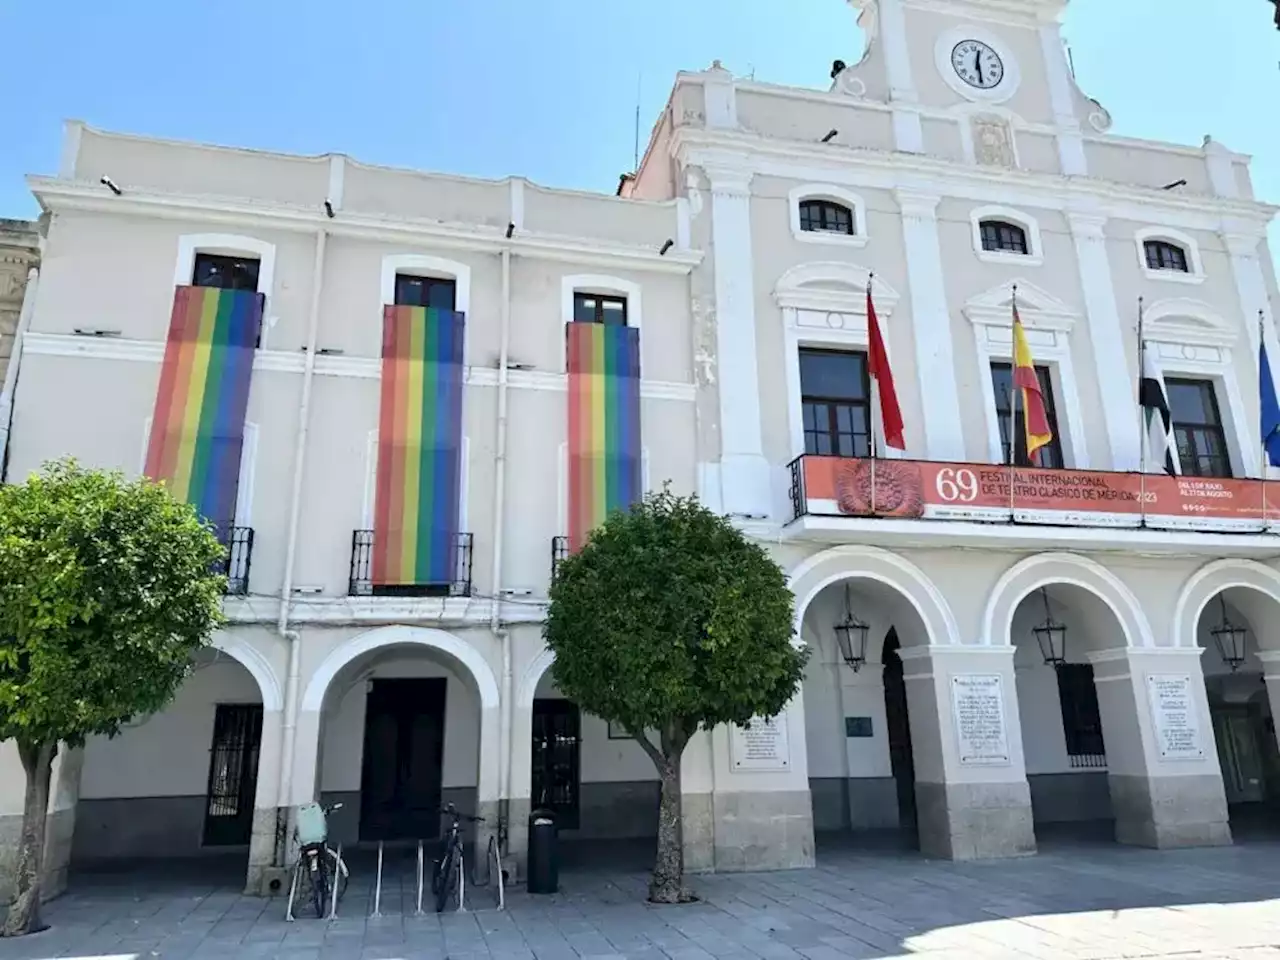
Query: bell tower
[(983, 58)]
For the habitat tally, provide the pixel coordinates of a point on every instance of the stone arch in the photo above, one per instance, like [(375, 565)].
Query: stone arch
[(1044, 570), (816, 573), (259, 667), (1209, 581), (400, 635), (533, 674)]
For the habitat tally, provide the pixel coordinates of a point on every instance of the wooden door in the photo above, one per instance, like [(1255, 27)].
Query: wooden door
[(403, 760)]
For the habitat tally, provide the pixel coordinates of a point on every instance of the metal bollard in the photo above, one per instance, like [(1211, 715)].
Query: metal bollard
[(418, 911), (377, 890), (337, 881)]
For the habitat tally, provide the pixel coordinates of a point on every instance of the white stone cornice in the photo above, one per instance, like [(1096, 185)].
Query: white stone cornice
[(865, 167), (1242, 244), (918, 204), (56, 194), (1087, 226)]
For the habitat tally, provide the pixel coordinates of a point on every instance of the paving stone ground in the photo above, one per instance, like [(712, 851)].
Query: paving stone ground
[(1079, 901)]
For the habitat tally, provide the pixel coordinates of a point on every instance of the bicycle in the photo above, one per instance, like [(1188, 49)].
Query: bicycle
[(320, 876), (448, 873)]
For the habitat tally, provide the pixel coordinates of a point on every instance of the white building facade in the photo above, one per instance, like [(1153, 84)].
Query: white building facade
[(956, 161)]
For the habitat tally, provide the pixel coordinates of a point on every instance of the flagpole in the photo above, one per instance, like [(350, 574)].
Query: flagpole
[(1013, 405), (874, 386), (1144, 440), (1262, 323)]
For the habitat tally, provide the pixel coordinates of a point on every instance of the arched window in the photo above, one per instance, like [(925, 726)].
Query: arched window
[(1163, 255), (826, 216), (1000, 236)]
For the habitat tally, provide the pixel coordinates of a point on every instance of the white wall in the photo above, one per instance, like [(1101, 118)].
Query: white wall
[(167, 754)]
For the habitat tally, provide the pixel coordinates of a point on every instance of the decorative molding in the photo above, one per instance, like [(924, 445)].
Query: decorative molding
[(368, 368), (234, 245), (421, 265), (833, 286), (60, 195), (1183, 321), (1189, 245)]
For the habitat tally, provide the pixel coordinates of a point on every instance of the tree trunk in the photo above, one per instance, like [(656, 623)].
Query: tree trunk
[(667, 883), (24, 911)]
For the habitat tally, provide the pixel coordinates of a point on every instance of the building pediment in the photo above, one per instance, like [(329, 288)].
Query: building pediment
[(1182, 320), (1036, 306), (833, 287)]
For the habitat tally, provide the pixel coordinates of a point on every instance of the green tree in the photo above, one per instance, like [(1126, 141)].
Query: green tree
[(106, 591), (666, 621)]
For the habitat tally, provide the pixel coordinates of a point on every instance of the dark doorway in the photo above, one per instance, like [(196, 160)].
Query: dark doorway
[(899, 732), (557, 747), (403, 760), (233, 774)]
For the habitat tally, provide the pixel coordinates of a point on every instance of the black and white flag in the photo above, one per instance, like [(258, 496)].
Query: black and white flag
[(1162, 450)]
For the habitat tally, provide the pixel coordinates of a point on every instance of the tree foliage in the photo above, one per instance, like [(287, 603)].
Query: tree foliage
[(107, 588), (669, 620)]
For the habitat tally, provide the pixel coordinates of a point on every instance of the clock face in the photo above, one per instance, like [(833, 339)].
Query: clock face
[(977, 64)]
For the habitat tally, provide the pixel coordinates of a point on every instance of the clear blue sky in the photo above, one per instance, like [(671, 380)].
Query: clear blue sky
[(546, 89)]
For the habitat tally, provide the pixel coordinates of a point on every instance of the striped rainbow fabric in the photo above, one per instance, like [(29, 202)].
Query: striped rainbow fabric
[(197, 430), (415, 527), (604, 424)]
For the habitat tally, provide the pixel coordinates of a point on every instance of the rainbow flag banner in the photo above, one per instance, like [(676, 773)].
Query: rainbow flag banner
[(415, 526), (604, 424), (197, 430)]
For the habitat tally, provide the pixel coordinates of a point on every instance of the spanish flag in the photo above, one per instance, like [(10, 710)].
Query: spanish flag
[(1025, 379)]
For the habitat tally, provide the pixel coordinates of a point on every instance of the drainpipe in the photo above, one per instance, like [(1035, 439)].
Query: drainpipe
[(11, 374), (289, 730), (505, 752)]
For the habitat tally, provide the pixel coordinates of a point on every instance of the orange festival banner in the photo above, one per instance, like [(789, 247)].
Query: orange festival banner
[(909, 489)]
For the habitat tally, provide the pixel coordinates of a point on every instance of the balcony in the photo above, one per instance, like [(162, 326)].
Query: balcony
[(903, 493), (361, 582), (236, 567)]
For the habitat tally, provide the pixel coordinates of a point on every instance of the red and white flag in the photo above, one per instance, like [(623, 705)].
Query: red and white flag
[(889, 413)]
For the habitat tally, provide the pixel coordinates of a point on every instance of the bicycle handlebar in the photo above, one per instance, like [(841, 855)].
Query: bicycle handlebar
[(449, 810)]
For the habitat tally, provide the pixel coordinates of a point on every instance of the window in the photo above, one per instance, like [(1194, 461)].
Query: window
[(835, 393), (1197, 426), (1163, 255), (597, 308), (1081, 721), (1002, 382), (825, 216), (233, 773), (413, 291), (999, 236), (226, 273)]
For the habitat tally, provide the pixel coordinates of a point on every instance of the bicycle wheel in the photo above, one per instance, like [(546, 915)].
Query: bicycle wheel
[(446, 880), (320, 886)]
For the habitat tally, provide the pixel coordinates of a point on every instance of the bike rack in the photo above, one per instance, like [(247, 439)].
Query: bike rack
[(377, 890), (337, 882), (462, 883), (418, 912), (293, 889)]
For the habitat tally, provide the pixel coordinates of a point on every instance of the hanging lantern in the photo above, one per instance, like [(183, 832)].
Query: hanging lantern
[(1229, 638), (851, 636), (1052, 636)]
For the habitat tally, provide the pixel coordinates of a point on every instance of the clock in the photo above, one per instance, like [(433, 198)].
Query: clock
[(977, 64)]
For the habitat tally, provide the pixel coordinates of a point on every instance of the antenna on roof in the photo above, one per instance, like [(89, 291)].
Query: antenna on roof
[(1071, 57), (639, 81)]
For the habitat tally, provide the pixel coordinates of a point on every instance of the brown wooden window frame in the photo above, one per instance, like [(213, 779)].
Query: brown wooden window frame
[(1184, 432), (1166, 255), (827, 216), (1003, 236), (602, 308), (828, 408)]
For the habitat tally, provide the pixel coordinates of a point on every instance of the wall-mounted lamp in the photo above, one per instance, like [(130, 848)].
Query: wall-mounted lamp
[(831, 135), (328, 209), (1175, 184), (111, 185), (95, 332), (511, 228), (1051, 635), (665, 247)]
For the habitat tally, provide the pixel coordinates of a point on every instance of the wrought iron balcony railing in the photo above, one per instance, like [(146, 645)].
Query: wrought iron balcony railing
[(236, 567), (362, 583), (996, 493)]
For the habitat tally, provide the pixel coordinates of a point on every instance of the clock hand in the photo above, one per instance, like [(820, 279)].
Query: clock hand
[(977, 62)]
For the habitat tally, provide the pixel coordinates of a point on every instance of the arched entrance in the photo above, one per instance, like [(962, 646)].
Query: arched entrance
[(1115, 726), (1231, 610), (197, 778), (401, 719)]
